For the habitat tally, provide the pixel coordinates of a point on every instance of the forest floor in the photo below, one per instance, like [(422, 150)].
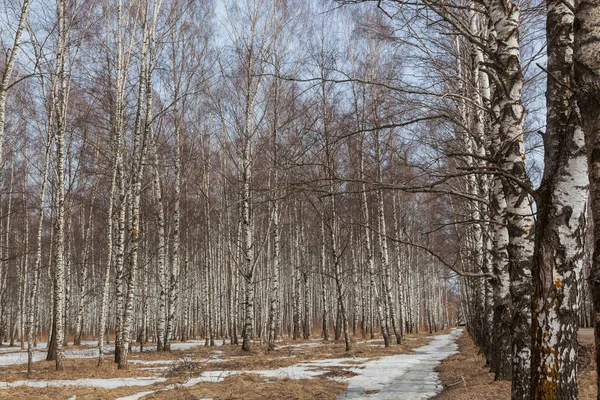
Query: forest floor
[(466, 376), (301, 369)]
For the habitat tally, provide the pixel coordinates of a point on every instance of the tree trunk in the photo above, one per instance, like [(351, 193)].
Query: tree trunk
[(247, 247), (587, 73), (560, 230), (507, 135), (38, 260)]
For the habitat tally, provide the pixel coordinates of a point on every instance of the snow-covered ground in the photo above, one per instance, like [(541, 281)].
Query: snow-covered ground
[(405, 376), (106, 383), (15, 356), (20, 357)]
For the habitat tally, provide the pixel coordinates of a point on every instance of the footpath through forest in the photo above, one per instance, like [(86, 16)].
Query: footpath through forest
[(409, 376)]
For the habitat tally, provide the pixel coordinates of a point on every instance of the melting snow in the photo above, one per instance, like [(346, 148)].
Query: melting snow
[(405, 376), (305, 370), (142, 394), (15, 356), (20, 357), (108, 383)]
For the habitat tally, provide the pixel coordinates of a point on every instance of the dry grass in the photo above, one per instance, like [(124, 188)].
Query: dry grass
[(466, 377), (253, 387), (587, 371), (26, 393), (261, 358), (74, 368), (587, 386)]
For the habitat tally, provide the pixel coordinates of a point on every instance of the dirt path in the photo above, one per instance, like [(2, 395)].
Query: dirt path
[(585, 335), (466, 376), (405, 376)]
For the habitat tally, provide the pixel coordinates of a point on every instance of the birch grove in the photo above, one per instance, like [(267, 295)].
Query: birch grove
[(262, 170)]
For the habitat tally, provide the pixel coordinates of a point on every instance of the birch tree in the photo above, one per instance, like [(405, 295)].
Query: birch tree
[(141, 134), (60, 100), (587, 70), (250, 44), (560, 236)]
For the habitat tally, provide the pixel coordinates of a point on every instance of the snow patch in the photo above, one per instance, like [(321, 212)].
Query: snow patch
[(107, 383), (15, 356)]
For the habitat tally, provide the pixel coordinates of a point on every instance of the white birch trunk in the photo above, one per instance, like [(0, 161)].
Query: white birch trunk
[(507, 132), (560, 231), (38, 259), (161, 343)]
